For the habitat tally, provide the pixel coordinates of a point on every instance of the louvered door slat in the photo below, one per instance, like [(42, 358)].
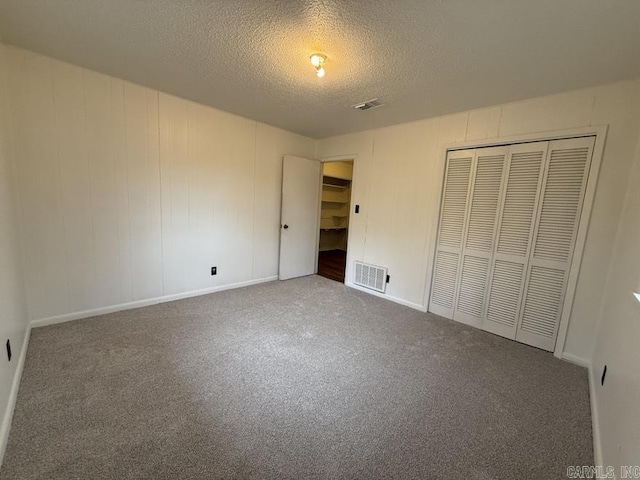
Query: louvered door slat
[(520, 200), (558, 217), (484, 202), (542, 305), (561, 203), (515, 230), (453, 213), (479, 234), (444, 281), (455, 202), (472, 285), (504, 297)]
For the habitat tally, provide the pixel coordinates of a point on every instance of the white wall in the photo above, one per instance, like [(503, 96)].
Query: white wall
[(128, 194), (398, 174), (618, 339), (13, 319)]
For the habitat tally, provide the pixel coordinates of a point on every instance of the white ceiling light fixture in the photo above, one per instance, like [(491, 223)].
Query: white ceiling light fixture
[(317, 60)]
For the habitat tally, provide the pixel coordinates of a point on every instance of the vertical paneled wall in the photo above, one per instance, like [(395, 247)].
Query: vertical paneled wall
[(129, 194), (13, 317), (617, 342)]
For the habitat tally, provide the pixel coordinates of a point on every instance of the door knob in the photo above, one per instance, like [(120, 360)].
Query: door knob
[(285, 226)]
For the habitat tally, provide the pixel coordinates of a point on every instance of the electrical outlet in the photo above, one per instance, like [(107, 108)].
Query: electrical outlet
[(8, 350), (604, 374), (214, 270)]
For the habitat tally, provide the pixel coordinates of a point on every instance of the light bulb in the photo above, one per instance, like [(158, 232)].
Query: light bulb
[(317, 59), (320, 72)]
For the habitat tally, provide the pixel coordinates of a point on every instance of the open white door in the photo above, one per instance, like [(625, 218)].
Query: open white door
[(299, 216)]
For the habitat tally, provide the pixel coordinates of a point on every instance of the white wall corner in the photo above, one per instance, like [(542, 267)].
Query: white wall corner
[(5, 427), (569, 357), (595, 423), (593, 382)]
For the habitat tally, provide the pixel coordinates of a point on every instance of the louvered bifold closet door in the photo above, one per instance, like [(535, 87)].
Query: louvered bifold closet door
[(453, 212), (558, 218), (516, 224), (479, 234)]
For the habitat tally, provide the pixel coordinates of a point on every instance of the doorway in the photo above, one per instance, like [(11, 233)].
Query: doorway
[(337, 177)]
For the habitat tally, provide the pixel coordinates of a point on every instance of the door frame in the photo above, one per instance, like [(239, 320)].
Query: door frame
[(339, 158), (597, 131)]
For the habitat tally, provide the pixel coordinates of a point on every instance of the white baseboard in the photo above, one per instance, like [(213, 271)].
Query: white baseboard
[(67, 317), (595, 423), (583, 362), (406, 303), (13, 395)]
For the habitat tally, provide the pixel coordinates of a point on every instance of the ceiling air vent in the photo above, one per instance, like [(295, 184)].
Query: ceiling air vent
[(374, 102)]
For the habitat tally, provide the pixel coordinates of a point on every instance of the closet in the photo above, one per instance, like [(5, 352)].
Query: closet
[(334, 219), (507, 231), (334, 212)]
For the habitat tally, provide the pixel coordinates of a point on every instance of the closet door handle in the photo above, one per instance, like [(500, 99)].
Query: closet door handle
[(285, 226)]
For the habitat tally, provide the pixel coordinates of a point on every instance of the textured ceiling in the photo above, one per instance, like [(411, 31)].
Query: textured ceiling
[(422, 58)]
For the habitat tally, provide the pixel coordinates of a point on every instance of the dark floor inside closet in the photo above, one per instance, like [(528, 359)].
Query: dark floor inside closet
[(331, 264)]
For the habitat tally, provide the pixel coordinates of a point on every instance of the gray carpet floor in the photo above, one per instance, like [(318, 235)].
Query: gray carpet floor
[(303, 379)]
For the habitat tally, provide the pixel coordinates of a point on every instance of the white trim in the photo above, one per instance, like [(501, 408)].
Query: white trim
[(340, 158), (594, 130), (13, 395), (435, 224), (67, 317), (595, 423), (406, 303), (583, 362), (352, 218), (600, 132), (318, 217), (581, 238)]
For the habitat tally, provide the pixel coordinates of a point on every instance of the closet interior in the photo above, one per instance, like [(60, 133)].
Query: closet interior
[(334, 219)]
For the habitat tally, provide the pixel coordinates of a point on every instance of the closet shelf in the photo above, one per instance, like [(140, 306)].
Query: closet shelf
[(333, 228), (331, 185)]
